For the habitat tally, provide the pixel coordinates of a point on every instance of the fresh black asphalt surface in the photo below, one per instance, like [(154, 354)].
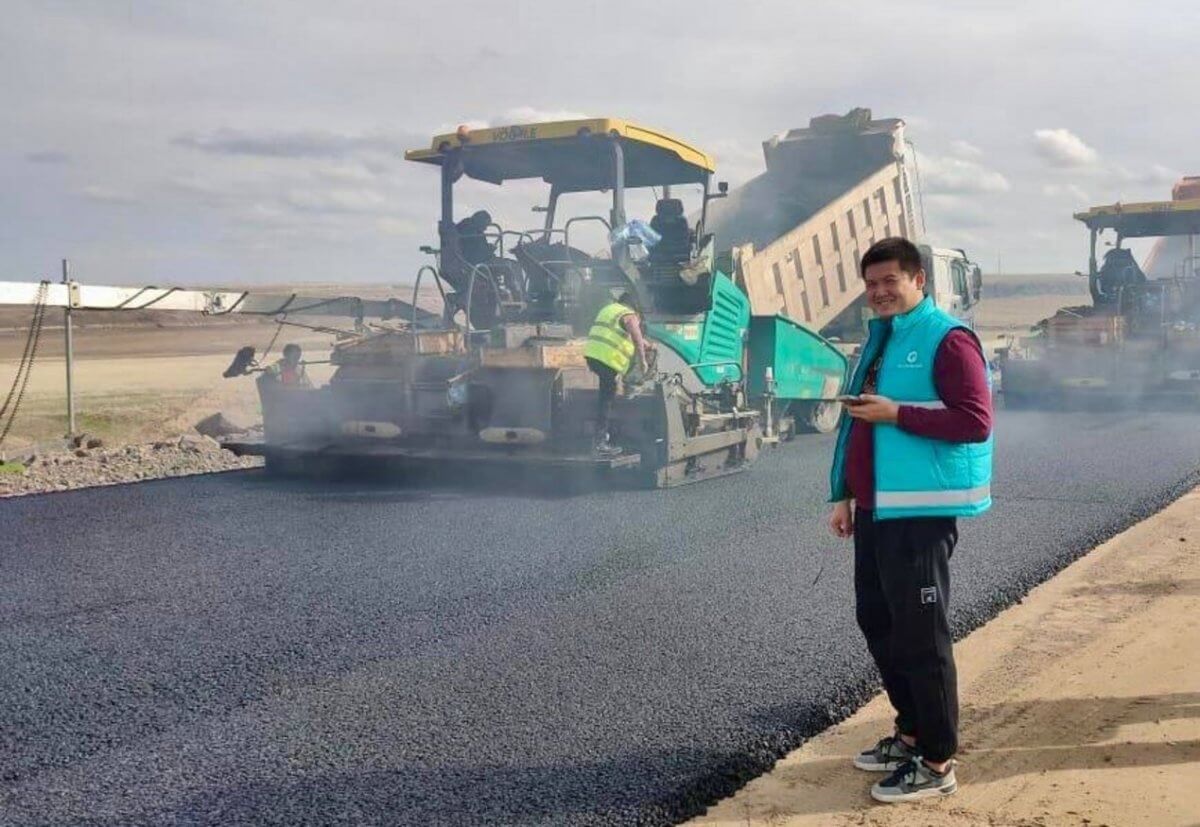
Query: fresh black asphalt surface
[(232, 649)]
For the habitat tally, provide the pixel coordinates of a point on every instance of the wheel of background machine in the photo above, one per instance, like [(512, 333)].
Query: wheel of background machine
[(817, 417)]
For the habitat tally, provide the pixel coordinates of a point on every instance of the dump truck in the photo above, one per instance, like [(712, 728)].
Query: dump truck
[(501, 379), (797, 231), (1139, 339)]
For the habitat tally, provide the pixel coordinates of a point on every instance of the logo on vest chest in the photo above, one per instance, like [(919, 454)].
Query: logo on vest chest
[(911, 360)]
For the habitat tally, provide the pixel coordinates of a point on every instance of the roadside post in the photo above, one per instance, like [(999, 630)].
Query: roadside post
[(70, 356)]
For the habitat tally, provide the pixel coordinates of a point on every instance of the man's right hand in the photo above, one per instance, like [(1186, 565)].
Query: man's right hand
[(841, 520)]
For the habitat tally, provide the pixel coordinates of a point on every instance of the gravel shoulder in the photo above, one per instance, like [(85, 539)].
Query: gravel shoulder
[(1081, 706), (84, 467)]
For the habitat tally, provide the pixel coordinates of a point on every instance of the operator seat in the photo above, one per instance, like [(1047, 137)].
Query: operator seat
[(1120, 270), (670, 223)]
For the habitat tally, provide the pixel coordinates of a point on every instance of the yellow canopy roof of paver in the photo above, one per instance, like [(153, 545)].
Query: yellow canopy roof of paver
[(554, 152), (1145, 219)]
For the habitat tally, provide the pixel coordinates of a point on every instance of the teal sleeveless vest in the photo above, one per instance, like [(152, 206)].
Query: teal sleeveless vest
[(915, 476)]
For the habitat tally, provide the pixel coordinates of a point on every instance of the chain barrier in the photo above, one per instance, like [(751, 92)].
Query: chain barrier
[(16, 393)]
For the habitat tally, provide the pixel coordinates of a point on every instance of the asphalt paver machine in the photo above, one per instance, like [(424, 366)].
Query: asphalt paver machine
[(1139, 339), (501, 379)]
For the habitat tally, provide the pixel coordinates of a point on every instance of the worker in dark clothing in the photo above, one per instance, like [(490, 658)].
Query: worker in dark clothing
[(472, 243), (477, 250), (913, 455), (615, 337)]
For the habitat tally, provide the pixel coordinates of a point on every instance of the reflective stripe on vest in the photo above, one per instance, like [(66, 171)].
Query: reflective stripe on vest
[(285, 375), (608, 341), (932, 499)]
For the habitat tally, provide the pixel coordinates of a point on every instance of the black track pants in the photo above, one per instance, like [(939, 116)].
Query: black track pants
[(902, 596), (608, 391)]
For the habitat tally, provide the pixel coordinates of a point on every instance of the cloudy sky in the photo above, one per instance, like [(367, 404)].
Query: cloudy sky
[(229, 142)]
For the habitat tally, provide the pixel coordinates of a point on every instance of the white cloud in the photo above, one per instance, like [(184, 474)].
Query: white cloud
[(515, 115), (918, 122), (1159, 174), (389, 225), (107, 195), (1072, 191), (958, 175), (48, 156), (530, 114), (1063, 148), (266, 214), (737, 161), (336, 200), (347, 173), (296, 144), (965, 149), (955, 212), (203, 189)]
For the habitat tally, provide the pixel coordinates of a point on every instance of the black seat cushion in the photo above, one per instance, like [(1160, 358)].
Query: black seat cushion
[(670, 223)]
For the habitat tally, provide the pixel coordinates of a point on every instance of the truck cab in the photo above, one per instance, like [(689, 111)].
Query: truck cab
[(953, 281)]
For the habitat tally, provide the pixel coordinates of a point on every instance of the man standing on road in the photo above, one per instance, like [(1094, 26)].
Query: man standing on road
[(615, 336), (913, 455)]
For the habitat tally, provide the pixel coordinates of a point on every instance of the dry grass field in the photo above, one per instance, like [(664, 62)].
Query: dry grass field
[(143, 375), (1012, 303)]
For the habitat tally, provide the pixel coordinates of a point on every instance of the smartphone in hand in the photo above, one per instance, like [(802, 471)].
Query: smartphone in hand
[(851, 400)]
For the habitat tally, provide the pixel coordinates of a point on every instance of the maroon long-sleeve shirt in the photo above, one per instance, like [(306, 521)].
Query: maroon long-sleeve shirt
[(960, 376)]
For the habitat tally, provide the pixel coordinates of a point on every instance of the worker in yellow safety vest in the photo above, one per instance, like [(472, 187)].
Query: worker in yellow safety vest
[(289, 370), (614, 339)]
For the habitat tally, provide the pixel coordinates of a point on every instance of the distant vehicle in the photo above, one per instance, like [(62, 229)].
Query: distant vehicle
[(1139, 340)]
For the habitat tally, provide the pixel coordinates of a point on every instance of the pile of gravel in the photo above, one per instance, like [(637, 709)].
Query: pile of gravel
[(88, 463)]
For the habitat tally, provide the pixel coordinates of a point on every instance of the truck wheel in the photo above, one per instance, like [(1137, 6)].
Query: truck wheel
[(817, 417)]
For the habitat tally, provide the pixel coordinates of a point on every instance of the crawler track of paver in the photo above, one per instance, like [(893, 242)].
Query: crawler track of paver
[(236, 650)]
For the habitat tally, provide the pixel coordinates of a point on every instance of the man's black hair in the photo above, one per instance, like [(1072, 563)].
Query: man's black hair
[(626, 298), (897, 249)]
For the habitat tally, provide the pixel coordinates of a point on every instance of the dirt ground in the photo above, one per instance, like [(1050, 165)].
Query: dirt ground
[(1080, 706), (138, 385), (1012, 303), (146, 375)]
